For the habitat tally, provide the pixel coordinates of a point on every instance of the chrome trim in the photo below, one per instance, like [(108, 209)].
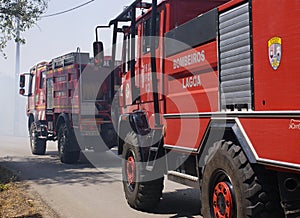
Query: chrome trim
[(279, 164), (184, 179), (181, 148), (182, 175), (240, 126), (239, 114)]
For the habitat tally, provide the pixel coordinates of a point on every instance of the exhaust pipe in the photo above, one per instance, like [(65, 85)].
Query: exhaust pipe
[(289, 187), (291, 184)]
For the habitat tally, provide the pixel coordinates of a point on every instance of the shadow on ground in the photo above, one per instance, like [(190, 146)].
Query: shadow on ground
[(48, 169), (181, 202)]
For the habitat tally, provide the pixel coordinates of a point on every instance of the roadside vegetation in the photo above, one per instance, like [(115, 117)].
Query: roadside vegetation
[(17, 16), (16, 201)]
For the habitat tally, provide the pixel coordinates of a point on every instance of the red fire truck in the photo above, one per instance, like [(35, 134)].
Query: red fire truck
[(211, 100), (66, 103)]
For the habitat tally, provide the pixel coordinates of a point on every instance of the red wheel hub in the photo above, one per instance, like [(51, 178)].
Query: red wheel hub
[(130, 170), (222, 200)]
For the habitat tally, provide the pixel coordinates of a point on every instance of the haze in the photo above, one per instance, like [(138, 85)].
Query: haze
[(51, 37)]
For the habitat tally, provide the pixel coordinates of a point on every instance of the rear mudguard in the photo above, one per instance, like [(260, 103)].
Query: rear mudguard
[(227, 130), (137, 122)]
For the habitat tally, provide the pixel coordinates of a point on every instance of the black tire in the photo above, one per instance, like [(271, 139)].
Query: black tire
[(233, 188), (37, 145), (66, 139), (109, 136), (141, 192)]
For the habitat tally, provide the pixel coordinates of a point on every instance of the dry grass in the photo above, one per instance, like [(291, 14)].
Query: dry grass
[(16, 202)]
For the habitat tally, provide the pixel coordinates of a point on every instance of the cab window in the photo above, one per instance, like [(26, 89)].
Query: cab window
[(42, 79), (147, 33)]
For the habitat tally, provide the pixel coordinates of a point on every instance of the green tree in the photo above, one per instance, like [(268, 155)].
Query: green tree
[(27, 12)]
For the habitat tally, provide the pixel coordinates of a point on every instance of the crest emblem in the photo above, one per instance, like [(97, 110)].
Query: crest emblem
[(275, 52)]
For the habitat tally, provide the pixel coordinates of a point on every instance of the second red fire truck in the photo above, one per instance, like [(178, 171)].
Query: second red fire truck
[(67, 103)]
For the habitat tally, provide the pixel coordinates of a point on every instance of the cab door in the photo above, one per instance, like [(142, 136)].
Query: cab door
[(40, 93), (145, 60)]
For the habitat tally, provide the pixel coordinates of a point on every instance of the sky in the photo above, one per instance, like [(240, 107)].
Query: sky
[(49, 38)]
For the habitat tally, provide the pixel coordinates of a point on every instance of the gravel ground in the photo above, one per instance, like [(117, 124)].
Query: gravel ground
[(17, 201)]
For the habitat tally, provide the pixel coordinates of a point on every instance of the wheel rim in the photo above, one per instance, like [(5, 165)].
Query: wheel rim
[(32, 138), (62, 141), (222, 200), (222, 196), (131, 171)]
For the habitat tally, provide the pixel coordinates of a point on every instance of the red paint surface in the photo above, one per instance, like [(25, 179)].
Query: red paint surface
[(185, 133), (276, 90), (203, 97), (274, 139)]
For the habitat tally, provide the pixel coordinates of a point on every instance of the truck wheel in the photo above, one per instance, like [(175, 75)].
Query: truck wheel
[(65, 140), (141, 192), (37, 145), (109, 136), (232, 188)]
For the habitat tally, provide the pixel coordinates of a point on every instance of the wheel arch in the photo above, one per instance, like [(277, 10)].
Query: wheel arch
[(123, 130), (228, 130), (62, 118), (31, 119)]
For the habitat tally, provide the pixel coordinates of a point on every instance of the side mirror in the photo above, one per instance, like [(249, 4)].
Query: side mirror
[(22, 81), (98, 53), (25, 78)]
